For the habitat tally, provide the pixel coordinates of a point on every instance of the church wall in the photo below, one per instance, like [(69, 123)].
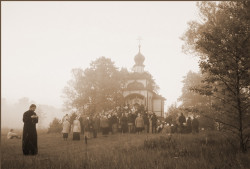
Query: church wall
[(157, 104), (150, 101), (135, 100), (142, 92), (162, 108), (158, 113), (128, 82), (140, 81), (157, 107), (139, 69), (136, 88), (148, 98)]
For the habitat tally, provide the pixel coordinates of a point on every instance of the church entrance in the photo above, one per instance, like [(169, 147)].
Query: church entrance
[(136, 100)]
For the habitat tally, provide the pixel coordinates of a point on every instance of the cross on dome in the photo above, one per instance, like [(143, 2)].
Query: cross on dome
[(139, 58), (139, 40)]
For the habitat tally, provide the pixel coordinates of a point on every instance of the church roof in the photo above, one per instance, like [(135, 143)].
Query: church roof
[(157, 96)]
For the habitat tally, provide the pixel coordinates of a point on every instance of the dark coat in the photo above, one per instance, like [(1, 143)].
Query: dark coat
[(124, 123), (131, 118), (114, 119), (29, 142), (182, 119), (104, 123), (146, 120), (139, 122), (96, 123), (124, 120), (154, 120), (88, 125), (189, 122), (195, 123)]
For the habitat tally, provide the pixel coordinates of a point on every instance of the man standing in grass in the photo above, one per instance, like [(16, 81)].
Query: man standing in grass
[(139, 123), (124, 123), (195, 125), (96, 124), (182, 119), (146, 122), (189, 125), (154, 122), (130, 122), (29, 143), (104, 125)]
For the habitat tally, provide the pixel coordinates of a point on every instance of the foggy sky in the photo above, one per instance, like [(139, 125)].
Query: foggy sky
[(43, 41)]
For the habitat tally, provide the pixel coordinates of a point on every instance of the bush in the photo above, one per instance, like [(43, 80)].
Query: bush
[(160, 143), (72, 117), (206, 123), (55, 126)]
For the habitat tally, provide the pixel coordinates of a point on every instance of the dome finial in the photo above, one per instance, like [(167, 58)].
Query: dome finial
[(139, 40), (139, 58)]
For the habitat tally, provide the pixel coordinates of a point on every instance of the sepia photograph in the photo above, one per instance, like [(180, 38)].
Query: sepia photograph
[(125, 84)]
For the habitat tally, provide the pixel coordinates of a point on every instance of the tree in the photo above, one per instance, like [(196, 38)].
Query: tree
[(25, 102), (96, 89), (193, 103), (189, 98), (173, 113), (72, 117), (206, 123), (55, 126), (221, 40)]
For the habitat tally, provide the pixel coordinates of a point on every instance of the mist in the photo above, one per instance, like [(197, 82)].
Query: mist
[(12, 113), (41, 48)]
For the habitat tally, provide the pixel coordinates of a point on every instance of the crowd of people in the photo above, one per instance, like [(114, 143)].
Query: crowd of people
[(109, 123), (128, 121), (132, 121), (183, 125)]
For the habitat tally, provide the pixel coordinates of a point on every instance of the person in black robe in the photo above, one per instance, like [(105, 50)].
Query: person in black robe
[(124, 123), (154, 123), (189, 125), (29, 142), (182, 119), (195, 125)]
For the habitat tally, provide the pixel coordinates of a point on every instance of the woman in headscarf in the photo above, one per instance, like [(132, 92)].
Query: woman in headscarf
[(76, 129), (66, 129)]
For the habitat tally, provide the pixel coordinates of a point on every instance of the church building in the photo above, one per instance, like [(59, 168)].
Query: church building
[(140, 89)]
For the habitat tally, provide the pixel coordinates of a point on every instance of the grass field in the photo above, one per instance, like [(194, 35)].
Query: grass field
[(128, 151)]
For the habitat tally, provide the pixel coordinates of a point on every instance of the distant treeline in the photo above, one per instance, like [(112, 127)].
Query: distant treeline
[(12, 113)]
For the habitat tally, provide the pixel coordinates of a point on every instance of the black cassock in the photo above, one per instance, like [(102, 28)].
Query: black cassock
[(29, 143)]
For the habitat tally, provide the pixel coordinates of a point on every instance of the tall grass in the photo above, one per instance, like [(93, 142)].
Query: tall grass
[(128, 151)]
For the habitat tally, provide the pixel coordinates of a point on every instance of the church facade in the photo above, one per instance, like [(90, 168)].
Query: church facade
[(139, 89)]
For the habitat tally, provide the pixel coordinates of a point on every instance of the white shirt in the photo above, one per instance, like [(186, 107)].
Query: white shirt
[(66, 126), (76, 126)]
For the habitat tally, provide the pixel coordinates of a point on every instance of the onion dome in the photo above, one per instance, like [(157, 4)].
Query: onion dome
[(139, 58)]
